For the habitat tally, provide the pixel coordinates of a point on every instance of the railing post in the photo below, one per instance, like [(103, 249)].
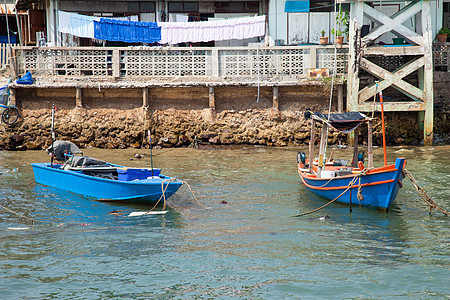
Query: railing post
[(215, 62), (313, 57), (116, 63)]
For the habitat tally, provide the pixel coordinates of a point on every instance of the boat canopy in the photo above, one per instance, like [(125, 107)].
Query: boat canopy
[(344, 122)]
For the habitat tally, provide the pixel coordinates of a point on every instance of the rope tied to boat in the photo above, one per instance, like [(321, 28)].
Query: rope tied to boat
[(163, 196), (349, 186), (431, 204), (20, 215)]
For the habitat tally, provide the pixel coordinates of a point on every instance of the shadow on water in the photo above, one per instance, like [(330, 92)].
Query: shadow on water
[(63, 206), (372, 236)]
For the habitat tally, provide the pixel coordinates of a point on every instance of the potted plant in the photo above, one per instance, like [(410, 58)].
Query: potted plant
[(342, 26), (442, 35), (323, 38)]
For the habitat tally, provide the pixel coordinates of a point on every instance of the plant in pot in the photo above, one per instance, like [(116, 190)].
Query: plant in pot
[(442, 35), (342, 26), (323, 38)]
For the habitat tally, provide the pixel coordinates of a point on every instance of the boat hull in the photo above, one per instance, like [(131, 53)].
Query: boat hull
[(144, 190), (379, 188)]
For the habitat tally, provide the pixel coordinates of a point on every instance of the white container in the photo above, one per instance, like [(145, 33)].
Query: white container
[(327, 174)]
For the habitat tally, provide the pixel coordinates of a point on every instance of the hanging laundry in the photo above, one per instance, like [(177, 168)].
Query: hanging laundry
[(75, 24), (239, 28), (126, 31)]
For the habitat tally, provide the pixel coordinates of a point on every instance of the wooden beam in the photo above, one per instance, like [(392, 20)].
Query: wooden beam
[(393, 23), (394, 51), (391, 79), (393, 106)]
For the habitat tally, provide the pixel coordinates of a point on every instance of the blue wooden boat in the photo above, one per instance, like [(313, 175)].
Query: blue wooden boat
[(100, 180), (354, 184)]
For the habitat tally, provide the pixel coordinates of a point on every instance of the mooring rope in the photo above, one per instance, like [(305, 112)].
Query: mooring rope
[(350, 185), (163, 196), (431, 204), (20, 215)]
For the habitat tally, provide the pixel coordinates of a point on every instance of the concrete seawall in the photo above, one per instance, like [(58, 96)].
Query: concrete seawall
[(181, 116)]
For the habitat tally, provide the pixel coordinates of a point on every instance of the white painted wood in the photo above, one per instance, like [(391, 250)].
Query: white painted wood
[(318, 21), (395, 23), (391, 79), (428, 72), (298, 28)]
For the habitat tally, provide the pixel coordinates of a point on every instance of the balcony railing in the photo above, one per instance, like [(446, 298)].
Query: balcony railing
[(180, 61), (203, 63)]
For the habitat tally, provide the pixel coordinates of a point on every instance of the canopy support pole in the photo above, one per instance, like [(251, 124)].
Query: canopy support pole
[(370, 143), (323, 140), (355, 148), (311, 145)]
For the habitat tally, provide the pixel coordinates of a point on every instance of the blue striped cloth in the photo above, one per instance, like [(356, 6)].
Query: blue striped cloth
[(127, 31)]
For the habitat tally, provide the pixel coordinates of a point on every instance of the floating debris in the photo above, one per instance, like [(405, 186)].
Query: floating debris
[(18, 228), (142, 213)]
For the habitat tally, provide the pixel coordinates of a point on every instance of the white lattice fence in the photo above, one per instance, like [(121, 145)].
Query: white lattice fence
[(65, 62), (441, 52), (325, 59), (248, 62), (175, 62), (161, 62)]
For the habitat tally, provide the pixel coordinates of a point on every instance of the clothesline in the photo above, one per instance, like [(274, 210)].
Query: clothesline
[(161, 32)]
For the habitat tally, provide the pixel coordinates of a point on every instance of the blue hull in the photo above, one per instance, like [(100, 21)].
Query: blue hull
[(144, 190), (379, 187)]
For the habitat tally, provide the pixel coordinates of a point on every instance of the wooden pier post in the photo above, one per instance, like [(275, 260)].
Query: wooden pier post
[(78, 97), (340, 98), (145, 97), (275, 101), (212, 99)]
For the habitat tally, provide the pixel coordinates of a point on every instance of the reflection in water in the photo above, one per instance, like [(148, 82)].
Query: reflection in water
[(246, 245)]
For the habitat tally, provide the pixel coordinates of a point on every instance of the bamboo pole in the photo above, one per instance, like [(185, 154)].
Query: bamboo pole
[(355, 148), (323, 140), (311, 145), (384, 131), (370, 143)]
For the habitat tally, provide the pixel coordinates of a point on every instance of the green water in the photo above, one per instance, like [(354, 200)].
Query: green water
[(246, 245)]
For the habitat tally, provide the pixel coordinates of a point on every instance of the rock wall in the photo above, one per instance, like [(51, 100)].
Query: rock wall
[(178, 118)]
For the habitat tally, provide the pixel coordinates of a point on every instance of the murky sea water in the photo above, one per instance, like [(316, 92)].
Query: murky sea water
[(247, 245)]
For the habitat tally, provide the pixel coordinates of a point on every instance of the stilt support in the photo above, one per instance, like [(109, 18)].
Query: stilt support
[(78, 97)]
